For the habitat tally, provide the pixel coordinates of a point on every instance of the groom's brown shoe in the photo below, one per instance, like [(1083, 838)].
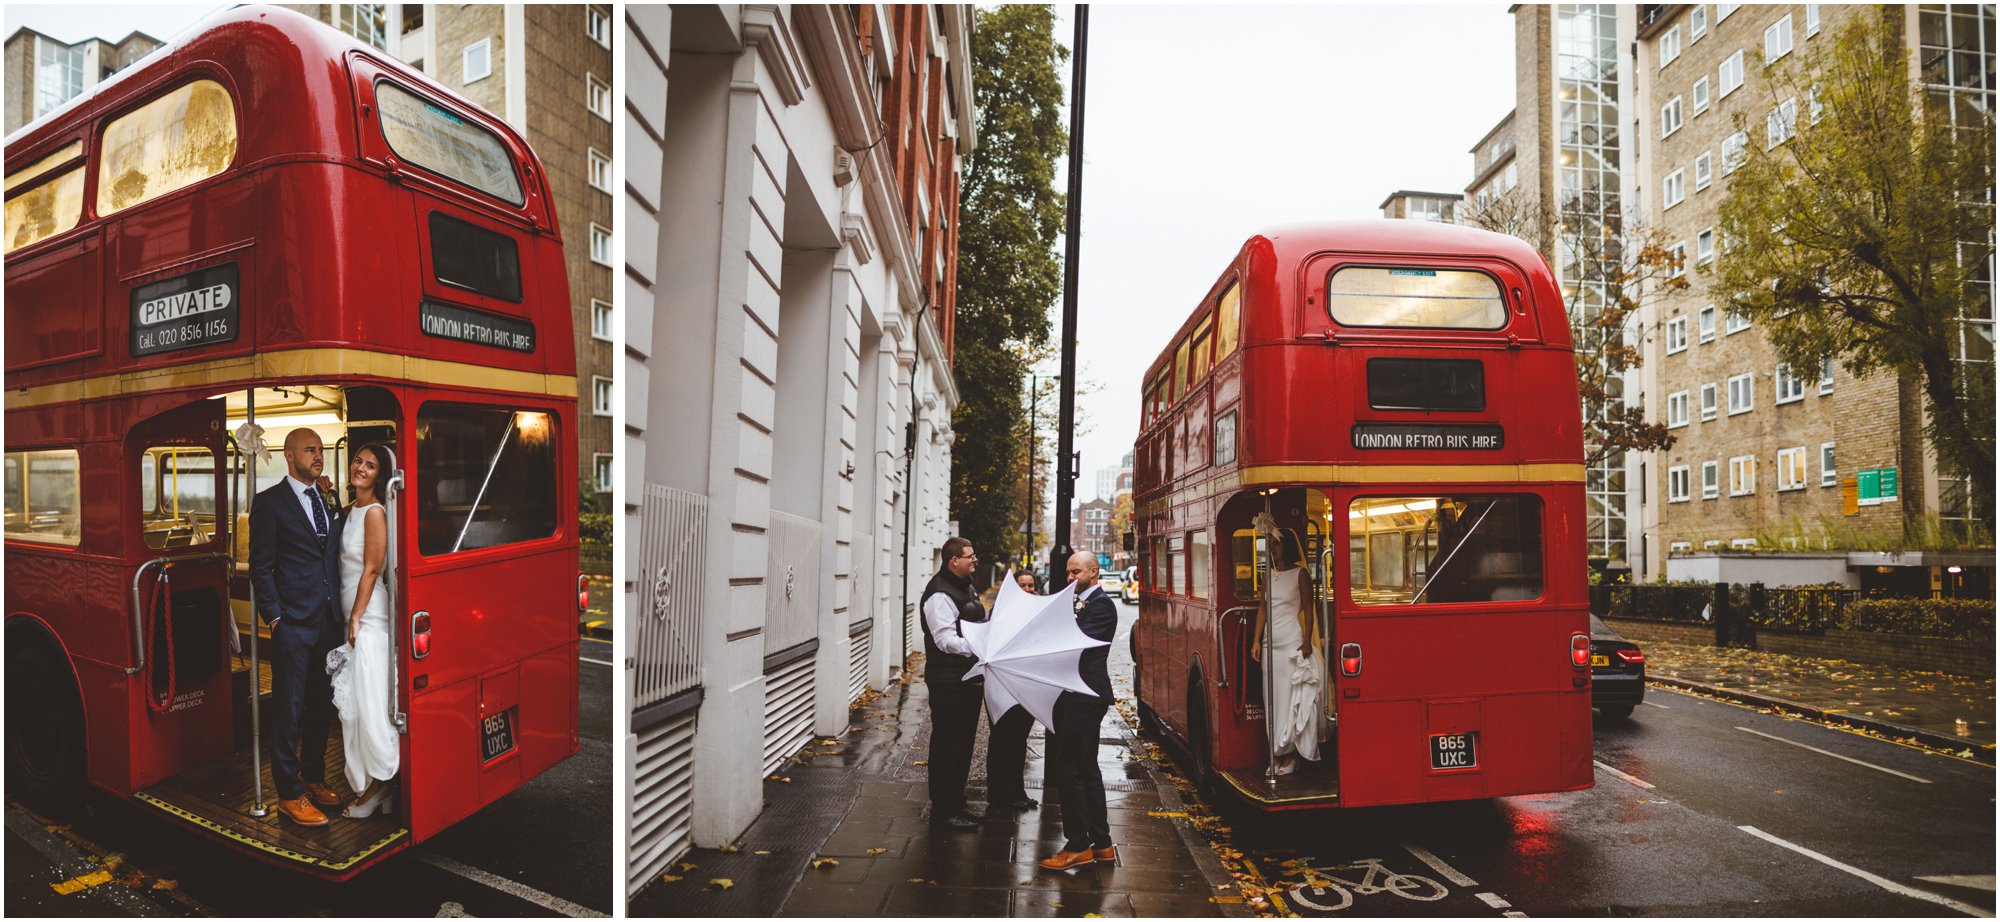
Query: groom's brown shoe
[(301, 811), (322, 795), (1106, 855), (1063, 861)]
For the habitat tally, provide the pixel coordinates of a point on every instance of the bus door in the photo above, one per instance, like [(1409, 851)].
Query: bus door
[(176, 606), (1451, 681)]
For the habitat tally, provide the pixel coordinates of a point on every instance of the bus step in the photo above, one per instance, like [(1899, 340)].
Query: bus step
[(1312, 784)]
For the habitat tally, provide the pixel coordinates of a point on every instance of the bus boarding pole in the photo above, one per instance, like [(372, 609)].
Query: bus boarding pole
[(257, 806), (1273, 546)]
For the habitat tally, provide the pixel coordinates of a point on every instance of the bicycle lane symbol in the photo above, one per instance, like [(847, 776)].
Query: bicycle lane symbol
[(1340, 886)]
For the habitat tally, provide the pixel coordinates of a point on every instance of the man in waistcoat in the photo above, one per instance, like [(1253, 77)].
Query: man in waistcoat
[(955, 703)]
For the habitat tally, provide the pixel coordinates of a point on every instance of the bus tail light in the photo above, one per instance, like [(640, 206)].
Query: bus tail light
[(582, 592), (1635, 657), (420, 635), (1350, 659), (1579, 650)]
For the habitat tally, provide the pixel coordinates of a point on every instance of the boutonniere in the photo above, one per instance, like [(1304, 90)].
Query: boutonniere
[(332, 501)]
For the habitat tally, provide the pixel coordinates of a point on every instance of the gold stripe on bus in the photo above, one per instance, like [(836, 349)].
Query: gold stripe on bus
[(293, 363), (267, 847), (1345, 474)]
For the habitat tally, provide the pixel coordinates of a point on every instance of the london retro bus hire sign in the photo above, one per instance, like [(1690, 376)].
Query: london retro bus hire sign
[(195, 309)]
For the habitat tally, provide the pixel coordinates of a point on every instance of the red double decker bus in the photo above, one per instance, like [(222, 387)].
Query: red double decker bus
[(270, 224), (1399, 399)]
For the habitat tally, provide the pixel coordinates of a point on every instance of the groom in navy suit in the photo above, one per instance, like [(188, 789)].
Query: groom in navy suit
[(294, 552)]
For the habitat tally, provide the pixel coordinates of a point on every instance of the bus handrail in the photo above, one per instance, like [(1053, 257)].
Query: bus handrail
[(1221, 658), (138, 606), (392, 493)]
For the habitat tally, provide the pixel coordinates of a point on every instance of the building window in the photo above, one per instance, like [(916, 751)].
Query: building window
[(600, 320), (1722, 10), (1677, 335), (597, 24), (601, 466), (1677, 409), (600, 245), (1791, 469), (600, 395), (1680, 546), (1670, 117), (1704, 250), (1678, 484), (365, 21), (1778, 39), (1677, 266), (1704, 170), (1826, 377), (1828, 477), (1740, 395), (1708, 401), (1670, 46), (1711, 474), (1706, 325), (1743, 544), (1742, 475), (1734, 150), (1673, 189), (1730, 75), (478, 60), (1788, 386), (597, 95), (1781, 123), (1733, 322), (59, 74), (1697, 23), (1700, 94), (1812, 19), (600, 171), (1814, 111)]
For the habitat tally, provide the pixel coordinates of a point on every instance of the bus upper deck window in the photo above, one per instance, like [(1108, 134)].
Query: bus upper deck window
[(177, 140), (1380, 296), (439, 140), (50, 208), (1227, 311)]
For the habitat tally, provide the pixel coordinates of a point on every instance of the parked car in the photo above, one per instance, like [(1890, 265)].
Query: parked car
[(1113, 582), (1617, 671), (1131, 590)]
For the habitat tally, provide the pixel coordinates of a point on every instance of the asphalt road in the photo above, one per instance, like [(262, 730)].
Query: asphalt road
[(1701, 808), (543, 850)]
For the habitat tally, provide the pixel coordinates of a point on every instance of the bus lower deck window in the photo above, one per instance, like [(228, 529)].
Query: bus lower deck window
[(1405, 550)]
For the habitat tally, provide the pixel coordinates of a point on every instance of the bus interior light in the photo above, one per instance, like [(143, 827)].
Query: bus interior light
[(1579, 650)]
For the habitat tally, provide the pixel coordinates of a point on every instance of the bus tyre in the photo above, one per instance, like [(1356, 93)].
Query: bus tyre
[(1201, 762), (1615, 710), (45, 764)]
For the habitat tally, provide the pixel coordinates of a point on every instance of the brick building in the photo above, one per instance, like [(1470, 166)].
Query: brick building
[(1764, 452), (1423, 206), (43, 72), (791, 207), (1090, 528), (546, 70)]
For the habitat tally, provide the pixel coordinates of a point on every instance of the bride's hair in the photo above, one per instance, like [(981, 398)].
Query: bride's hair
[(382, 462)]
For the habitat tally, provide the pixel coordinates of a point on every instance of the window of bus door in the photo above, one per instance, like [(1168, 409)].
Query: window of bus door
[(51, 207), (1385, 296), (443, 142), (1228, 313), (43, 500), (172, 142), (486, 476), (1403, 550), (177, 496)]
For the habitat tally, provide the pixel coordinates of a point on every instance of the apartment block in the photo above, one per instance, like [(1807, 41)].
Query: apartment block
[(43, 73)]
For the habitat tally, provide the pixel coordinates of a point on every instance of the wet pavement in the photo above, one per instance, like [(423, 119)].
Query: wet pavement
[(846, 832), (1910, 706)]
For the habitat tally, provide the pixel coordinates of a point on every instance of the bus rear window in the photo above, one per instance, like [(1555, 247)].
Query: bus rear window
[(50, 208), (441, 141), (1426, 384), (1382, 296), (467, 256), (1403, 550), (486, 476)]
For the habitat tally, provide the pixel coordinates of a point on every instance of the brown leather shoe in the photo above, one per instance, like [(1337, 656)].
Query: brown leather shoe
[(1106, 855), (301, 811), (322, 795), (1063, 861)]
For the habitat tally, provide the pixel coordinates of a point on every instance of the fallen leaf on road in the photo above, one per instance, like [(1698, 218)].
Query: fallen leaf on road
[(730, 849), (669, 878), (85, 882), (721, 883), (166, 885), (687, 866), (877, 851), (819, 864)]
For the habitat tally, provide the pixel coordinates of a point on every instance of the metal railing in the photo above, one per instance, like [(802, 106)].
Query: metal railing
[(666, 630), (791, 585)]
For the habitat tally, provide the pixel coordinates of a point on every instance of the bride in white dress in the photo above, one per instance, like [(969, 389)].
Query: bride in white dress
[(361, 689), (1298, 669)]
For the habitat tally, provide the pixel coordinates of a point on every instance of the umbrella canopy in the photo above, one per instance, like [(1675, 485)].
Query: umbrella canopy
[(1029, 650)]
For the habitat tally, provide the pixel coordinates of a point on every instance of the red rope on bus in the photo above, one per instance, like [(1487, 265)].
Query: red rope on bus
[(163, 592)]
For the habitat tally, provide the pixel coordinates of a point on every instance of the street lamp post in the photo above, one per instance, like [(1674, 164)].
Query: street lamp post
[(1066, 460)]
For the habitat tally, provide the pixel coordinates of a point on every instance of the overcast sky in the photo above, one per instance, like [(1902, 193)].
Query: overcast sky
[(74, 22), (1205, 124)]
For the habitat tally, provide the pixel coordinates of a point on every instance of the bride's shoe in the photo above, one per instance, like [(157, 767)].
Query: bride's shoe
[(385, 801)]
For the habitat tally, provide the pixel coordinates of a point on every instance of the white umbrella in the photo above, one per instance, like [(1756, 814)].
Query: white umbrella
[(1029, 650)]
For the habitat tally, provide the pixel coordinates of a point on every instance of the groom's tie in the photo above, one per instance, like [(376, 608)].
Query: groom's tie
[(319, 514)]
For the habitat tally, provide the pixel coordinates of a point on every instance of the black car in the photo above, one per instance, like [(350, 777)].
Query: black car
[(1617, 671)]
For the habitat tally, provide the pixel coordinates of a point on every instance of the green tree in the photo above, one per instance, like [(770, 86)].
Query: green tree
[(1858, 228), (1010, 216)]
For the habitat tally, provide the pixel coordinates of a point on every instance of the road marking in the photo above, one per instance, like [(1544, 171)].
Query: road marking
[(1437, 864), (1494, 901), (452, 911), (515, 888), (1622, 775), (1883, 882), (1652, 705), (599, 662), (1969, 881), (1835, 755)]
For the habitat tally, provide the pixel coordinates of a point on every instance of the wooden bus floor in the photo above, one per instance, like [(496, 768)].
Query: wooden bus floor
[(1311, 782), (217, 797)]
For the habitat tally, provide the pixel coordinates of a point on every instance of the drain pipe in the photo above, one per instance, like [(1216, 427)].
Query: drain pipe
[(909, 504)]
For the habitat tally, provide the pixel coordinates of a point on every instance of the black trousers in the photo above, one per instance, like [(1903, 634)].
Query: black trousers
[(1007, 756), (303, 696), (1074, 773), (954, 725)]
